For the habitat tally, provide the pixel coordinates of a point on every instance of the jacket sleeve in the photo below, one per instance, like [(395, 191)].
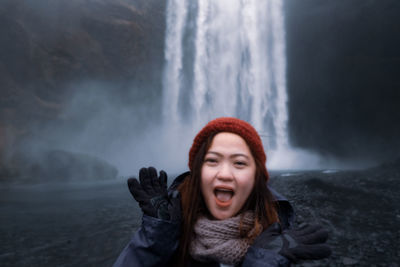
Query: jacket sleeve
[(152, 245), (256, 257)]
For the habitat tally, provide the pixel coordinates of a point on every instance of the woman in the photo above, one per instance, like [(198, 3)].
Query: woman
[(221, 213)]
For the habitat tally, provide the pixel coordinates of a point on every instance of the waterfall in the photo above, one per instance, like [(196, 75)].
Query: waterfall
[(226, 58)]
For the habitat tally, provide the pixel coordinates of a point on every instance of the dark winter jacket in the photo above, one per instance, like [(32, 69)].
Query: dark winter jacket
[(157, 240)]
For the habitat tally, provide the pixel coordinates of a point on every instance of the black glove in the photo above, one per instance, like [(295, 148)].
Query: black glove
[(303, 243), (152, 195)]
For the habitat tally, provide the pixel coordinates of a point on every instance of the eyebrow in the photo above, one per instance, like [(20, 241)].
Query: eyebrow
[(232, 156)]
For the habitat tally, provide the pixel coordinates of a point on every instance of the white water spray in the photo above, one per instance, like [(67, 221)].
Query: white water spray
[(235, 65), (176, 18)]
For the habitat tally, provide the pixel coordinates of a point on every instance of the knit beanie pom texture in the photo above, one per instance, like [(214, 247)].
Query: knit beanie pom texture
[(232, 125)]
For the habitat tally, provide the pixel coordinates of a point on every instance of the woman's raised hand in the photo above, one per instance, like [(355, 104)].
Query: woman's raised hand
[(152, 195)]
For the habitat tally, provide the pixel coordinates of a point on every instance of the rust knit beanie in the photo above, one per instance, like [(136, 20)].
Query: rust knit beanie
[(232, 125)]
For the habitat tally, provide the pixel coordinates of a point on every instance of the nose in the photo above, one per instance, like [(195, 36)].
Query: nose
[(225, 172)]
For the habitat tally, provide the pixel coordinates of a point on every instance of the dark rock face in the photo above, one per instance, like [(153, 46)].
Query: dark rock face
[(47, 47), (343, 65)]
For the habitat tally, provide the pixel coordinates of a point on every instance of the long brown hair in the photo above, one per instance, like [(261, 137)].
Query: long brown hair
[(260, 201)]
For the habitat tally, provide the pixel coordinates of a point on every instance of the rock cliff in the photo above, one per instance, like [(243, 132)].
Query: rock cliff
[(47, 47)]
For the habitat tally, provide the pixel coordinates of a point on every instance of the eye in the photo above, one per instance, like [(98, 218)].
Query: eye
[(240, 163), (211, 160)]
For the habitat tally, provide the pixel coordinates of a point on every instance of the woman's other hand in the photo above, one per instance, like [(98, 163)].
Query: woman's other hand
[(306, 242), (152, 195)]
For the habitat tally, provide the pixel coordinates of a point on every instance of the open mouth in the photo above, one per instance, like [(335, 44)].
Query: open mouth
[(223, 196)]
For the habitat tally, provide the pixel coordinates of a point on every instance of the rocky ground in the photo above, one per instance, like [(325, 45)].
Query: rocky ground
[(82, 224), (88, 224), (361, 209)]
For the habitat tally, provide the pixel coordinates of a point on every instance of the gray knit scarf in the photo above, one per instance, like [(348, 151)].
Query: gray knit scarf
[(221, 240)]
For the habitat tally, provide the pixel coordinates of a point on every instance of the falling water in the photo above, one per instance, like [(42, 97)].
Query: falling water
[(227, 58)]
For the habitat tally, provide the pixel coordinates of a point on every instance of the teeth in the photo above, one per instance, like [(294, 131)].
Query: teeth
[(224, 190)]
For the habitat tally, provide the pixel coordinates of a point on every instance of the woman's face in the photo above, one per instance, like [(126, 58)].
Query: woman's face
[(227, 175)]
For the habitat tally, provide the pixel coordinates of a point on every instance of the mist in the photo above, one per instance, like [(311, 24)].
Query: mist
[(97, 120)]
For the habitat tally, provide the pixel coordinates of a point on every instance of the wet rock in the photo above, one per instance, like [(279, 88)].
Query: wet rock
[(349, 261)]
